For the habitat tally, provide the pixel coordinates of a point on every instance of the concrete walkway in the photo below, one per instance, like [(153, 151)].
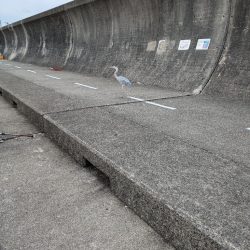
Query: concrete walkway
[(179, 161), (47, 201)]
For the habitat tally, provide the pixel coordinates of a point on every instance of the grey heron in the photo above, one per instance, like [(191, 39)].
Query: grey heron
[(121, 79)]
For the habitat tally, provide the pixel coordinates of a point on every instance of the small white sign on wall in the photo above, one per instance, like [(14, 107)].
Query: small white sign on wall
[(152, 46), (203, 44), (184, 44), (162, 47)]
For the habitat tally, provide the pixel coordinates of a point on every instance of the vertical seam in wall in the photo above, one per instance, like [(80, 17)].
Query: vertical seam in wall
[(25, 50), (5, 42), (13, 54), (111, 41), (71, 41), (222, 49)]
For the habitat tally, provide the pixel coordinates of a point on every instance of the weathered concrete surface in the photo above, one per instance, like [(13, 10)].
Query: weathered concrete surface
[(108, 91), (47, 201), (183, 171), (232, 77), (93, 36), (89, 36), (26, 89), (164, 163), (11, 123), (186, 173)]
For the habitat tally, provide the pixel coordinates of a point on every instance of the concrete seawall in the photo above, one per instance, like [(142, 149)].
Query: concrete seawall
[(174, 148), (142, 38)]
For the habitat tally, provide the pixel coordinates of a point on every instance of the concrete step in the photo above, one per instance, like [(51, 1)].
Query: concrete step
[(189, 182), (48, 201)]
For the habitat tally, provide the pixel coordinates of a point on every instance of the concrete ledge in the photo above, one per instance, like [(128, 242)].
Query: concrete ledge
[(138, 197), (183, 171), (147, 203), (60, 204), (172, 226)]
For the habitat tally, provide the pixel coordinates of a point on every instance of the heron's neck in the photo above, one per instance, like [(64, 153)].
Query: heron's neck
[(115, 74)]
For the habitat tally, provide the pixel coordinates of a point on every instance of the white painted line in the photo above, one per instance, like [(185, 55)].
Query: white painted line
[(151, 103), (53, 77), (137, 99), (248, 129), (34, 72), (83, 85), (161, 106), (17, 67)]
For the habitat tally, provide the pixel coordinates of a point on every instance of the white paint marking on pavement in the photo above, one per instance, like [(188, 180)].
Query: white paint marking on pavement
[(31, 71), (18, 67), (151, 103), (53, 77), (248, 129), (161, 106), (134, 98), (83, 85)]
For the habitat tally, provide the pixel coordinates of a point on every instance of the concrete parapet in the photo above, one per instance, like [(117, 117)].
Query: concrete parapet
[(141, 37)]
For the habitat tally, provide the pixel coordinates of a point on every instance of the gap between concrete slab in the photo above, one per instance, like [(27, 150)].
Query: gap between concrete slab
[(118, 104)]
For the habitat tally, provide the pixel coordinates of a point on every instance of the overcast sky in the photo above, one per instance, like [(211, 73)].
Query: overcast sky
[(15, 10)]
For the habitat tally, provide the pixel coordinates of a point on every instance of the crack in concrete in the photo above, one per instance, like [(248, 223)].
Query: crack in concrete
[(116, 104)]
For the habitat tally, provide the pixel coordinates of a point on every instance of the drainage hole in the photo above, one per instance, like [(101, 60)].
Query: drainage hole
[(14, 104), (103, 178)]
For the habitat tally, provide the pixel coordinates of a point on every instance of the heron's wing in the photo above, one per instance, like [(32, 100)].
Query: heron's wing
[(123, 80)]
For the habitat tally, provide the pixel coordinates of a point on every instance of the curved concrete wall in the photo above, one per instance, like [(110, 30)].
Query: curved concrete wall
[(232, 76), (141, 37)]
